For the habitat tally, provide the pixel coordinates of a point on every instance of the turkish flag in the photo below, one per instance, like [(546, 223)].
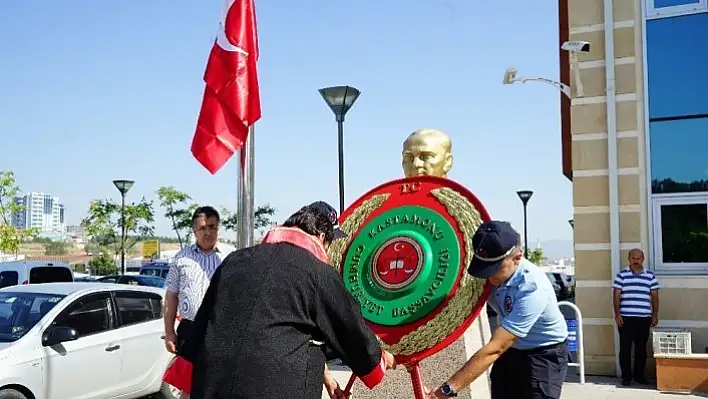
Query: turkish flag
[(231, 98)]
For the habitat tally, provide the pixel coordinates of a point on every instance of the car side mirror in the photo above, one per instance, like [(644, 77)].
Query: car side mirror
[(58, 334)]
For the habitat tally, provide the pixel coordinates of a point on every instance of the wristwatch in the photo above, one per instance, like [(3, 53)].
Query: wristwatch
[(447, 390)]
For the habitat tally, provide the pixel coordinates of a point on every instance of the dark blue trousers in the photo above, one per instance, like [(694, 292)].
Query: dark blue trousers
[(530, 374)]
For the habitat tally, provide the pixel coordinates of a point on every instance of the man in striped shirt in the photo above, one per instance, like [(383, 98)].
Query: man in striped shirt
[(189, 277), (636, 302)]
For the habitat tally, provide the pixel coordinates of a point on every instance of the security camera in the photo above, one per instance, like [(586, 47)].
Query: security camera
[(510, 76), (576, 46)]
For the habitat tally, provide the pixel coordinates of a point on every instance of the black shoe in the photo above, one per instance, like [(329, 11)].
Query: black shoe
[(626, 383), (642, 381)]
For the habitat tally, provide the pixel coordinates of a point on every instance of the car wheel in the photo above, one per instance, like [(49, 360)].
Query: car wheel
[(11, 394)]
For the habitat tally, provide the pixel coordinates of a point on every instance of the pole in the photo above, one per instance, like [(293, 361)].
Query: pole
[(526, 235), (122, 233), (246, 211), (340, 142)]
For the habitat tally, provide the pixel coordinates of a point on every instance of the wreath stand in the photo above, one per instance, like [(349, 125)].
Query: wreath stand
[(416, 379)]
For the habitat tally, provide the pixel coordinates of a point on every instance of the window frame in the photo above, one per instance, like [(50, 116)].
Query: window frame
[(659, 200), (116, 307), (652, 12), (105, 295)]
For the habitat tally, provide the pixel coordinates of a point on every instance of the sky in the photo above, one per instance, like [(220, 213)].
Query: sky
[(93, 91)]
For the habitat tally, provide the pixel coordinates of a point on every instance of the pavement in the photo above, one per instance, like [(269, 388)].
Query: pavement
[(595, 387)]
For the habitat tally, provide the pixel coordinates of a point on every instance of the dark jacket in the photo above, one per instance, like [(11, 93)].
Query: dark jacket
[(252, 335)]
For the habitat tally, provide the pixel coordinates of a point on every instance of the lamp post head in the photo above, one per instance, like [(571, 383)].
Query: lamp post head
[(572, 223), (123, 185), (340, 99), (510, 75), (524, 195)]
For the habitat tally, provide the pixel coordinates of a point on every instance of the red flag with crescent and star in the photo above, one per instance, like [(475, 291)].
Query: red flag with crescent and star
[(231, 101)]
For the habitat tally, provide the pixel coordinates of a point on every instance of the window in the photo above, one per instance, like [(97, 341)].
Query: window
[(672, 8), (9, 278), (88, 315), (677, 55), (50, 274), (138, 307), (681, 233)]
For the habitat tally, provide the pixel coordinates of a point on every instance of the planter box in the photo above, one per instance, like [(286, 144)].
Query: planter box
[(685, 373)]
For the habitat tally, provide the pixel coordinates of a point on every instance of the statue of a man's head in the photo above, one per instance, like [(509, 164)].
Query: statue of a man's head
[(427, 152)]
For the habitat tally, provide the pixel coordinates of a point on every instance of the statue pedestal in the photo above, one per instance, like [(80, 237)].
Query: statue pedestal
[(436, 369)]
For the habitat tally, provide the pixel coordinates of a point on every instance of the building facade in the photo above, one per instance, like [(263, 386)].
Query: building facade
[(635, 146), (40, 211)]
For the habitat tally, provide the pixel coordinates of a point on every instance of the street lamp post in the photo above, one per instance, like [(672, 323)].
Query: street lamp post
[(525, 196), (340, 99), (123, 186)]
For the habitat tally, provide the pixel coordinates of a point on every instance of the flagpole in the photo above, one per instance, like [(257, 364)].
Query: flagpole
[(246, 190)]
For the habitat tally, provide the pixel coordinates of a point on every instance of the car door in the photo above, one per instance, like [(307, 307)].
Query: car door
[(89, 367), (144, 355)]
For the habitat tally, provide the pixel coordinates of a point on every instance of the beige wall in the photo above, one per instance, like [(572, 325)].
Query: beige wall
[(590, 167), (682, 304)]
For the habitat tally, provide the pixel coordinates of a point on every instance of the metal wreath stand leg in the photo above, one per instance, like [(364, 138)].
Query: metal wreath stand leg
[(416, 379)]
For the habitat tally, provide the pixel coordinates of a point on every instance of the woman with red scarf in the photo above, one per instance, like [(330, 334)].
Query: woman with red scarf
[(269, 308)]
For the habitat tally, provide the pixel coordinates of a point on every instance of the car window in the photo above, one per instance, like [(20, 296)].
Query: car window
[(127, 280), (108, 279), (9, 278), (88, 315), (138, 307), (150, 272), (50, 274), (164, 273)]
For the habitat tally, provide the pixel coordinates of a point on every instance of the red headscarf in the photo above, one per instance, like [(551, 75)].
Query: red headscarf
[(297, 237)]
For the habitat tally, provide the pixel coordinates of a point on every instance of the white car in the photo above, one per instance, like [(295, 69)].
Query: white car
[(82, 340)]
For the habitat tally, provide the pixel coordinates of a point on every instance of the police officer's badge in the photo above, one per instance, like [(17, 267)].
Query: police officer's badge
[(507, 304)]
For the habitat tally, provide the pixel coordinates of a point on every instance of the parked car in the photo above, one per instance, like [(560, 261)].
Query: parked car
[(159, 269), (149, 281), (23, 272), (89, 340), (564, 289), (132, 270)]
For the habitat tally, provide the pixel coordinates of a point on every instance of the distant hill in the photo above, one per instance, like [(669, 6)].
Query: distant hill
[(555, 249)]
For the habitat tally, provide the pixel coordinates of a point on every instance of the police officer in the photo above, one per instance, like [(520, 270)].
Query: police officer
[(529, 349)]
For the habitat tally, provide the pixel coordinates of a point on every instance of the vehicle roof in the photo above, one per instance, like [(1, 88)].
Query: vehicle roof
[(137, 276), (77, 287), (157, 264), (32, 263)]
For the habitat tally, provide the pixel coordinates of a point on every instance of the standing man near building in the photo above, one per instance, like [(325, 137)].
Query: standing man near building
[(528, 349), (636, 302), (268, 311), (189, 277)]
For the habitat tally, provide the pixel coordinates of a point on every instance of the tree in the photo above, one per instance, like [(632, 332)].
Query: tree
[(102, 265), (55, 248), (10, 236), (103, 223), (173, 201), (263, 218), (535, 256)]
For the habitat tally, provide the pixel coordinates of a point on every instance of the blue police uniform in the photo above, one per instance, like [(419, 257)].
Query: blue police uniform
[(527, 307), (537, 363)]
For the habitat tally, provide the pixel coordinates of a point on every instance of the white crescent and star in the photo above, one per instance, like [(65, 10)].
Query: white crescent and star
[(221, 39), (397, 246)]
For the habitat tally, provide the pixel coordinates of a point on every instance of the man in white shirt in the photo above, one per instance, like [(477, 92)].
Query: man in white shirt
[(189, 277)]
